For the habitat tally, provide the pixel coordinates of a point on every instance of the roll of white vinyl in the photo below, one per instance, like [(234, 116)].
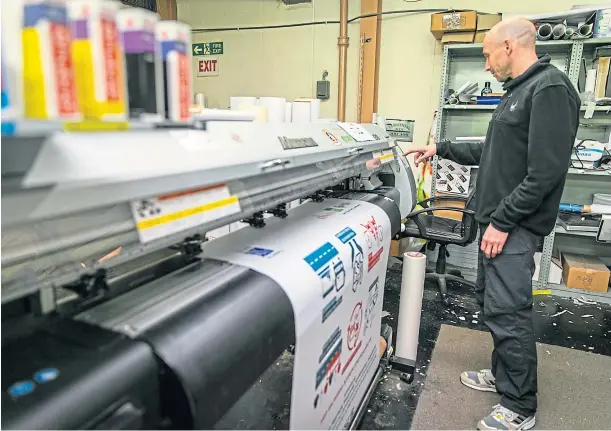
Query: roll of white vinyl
[(260, 112), (302, 112), (314, 107), (200, 100), (330, 259), (590, 81), (236, 101), (276, 108), (288, 116), (410, 305), (225, 115)]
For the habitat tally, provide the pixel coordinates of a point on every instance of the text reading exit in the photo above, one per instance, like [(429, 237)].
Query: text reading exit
[(208, 67)]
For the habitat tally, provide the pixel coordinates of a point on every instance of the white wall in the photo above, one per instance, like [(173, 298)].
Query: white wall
[(287, 62)]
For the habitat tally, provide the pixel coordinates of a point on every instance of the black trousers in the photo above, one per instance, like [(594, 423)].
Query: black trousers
[(504, 293)]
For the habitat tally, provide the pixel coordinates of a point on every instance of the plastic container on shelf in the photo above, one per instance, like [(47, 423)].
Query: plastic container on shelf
[(37, 61), (142, 64), (98, 59), (175, 42)]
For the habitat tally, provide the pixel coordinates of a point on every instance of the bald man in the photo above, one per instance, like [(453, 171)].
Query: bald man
[(522, 168)]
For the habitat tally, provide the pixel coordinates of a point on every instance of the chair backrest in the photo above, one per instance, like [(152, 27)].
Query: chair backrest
[(469, 224)]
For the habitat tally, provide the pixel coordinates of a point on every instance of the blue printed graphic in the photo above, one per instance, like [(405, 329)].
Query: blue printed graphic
[(258, 251), (21, 389), (46, 375), (331, 307), (325, 261), (346, 235), (335, 336), (330, 365)]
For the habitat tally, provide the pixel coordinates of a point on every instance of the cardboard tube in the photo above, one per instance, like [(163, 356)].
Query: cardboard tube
[(585, 30), (544, 32), (410, 305), (559, 31)]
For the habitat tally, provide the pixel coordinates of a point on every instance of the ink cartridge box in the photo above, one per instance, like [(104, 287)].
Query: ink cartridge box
[(142, 64), (98, 59), (175, 42)]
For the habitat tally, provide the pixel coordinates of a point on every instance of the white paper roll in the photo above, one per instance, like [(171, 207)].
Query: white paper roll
[(260, 112), (276, 108), (410, 305), (590, 81), (225, 115), (200, 100), (314, 107), (302, 112), (288, 112), (236, 101)]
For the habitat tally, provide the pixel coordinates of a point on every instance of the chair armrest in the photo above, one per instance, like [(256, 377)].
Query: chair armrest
[(430, 210), (421, 228), (425, 203)]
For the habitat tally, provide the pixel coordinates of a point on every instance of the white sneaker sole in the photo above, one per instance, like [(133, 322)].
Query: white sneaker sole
[(525, 425), (478, 388)]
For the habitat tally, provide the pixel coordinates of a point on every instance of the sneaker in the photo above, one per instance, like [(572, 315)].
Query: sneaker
[(479, 380), (502, 418)]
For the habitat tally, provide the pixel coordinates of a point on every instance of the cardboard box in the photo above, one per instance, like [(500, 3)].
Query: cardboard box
[(454, 215), (486, 21), (447, 22), (452, 183), (602, 74), (585, 272), (445, 165), (465, 37), (479, 36)]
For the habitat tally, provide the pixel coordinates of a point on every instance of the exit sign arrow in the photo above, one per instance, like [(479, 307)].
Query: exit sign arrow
[(207, 48)]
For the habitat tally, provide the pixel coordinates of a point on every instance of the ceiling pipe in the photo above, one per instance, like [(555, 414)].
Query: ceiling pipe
[(342, 43)]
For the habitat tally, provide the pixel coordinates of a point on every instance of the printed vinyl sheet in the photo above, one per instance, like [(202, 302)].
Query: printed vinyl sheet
[(330, 259)]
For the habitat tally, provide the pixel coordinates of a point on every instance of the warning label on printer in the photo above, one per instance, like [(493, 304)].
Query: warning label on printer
[(165, 215)]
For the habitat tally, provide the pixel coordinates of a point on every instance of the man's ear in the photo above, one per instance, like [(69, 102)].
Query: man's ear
[(508, 46)]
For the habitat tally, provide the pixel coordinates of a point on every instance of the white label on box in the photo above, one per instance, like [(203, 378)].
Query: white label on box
[(161, 216), (358, 132)]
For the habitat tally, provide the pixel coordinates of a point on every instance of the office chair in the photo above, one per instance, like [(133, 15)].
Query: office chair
[(443, 231)]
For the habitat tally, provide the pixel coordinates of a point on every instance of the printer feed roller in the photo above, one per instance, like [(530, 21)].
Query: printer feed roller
[(215, 327)]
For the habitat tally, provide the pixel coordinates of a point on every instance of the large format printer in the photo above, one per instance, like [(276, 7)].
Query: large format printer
[(112, 315)]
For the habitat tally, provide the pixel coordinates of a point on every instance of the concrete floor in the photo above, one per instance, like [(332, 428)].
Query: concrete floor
[(267, 404)]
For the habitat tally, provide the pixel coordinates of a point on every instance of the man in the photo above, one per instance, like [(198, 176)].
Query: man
[(523, 164)]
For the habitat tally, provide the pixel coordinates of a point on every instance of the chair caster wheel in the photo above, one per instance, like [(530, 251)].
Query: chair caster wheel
[(455, 273), (445, 300)]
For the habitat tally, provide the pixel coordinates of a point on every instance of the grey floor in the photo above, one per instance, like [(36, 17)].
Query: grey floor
[(574, 386)]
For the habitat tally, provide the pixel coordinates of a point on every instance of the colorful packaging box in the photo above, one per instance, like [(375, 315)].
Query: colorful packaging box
[(98, 59), (142, 63), (175, 41)]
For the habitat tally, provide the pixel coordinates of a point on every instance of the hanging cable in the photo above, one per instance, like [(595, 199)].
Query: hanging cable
[(306, 24)]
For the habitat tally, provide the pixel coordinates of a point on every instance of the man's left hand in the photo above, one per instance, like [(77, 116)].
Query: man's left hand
[(493, 242)]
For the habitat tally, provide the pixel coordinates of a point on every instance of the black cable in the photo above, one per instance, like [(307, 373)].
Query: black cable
[(305, 24)]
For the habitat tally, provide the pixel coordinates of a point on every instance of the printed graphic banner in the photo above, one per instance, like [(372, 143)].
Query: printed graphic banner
[(330, 258)]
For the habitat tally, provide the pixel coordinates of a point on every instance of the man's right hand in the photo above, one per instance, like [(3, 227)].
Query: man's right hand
[(422, 154)]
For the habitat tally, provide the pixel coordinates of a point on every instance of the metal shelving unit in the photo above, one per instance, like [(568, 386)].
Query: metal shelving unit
[(462, 63)]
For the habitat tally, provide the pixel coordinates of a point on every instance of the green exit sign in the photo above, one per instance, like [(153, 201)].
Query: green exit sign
[(208, 48)]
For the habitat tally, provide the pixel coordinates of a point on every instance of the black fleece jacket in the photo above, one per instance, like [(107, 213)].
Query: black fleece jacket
[(525, 158)]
